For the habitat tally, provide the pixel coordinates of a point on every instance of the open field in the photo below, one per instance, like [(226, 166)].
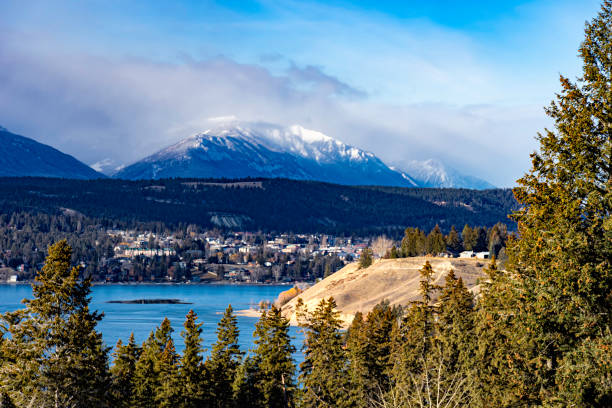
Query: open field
[(396, 280)]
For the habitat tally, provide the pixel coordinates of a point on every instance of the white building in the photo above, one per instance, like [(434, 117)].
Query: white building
[(466, 254), (132, 252)]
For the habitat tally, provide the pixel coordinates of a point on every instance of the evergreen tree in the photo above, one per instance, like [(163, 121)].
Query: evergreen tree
[(123, 372), (455, 325), (453, 241), (222, 365), (408, 246), (53, 355), (328, 271), (414, 243), (245, 389), (413, 340), (378, 329), (497, 239), (356, 346), (469, 238), (366, 258), (586, 373), (368, 344), (147, 375), (421, 243), (496, 380), (561, 265), (435, 241), (191, 372), (392, 253), (427, 287), (146, 380), (5, 401), (273, 360), (161, 336), (324, 376), (168, 394), (481, 239)]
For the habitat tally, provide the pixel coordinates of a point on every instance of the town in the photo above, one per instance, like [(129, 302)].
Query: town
[(209, 256), (234, 257), (213, 256)]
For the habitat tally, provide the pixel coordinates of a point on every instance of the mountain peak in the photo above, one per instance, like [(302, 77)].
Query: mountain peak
[(266, 131), (21, 156), (241, 149), (434, 173), (295, 139), (235, 149), (310, 136)]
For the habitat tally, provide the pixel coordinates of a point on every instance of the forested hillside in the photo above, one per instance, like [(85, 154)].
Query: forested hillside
[(261, 204)]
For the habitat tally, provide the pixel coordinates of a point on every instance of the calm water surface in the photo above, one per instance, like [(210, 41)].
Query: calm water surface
[(208, 301)]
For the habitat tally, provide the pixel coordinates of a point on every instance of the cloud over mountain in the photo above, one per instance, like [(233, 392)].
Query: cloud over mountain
[(238, 150), (95, 107), (107, 80)]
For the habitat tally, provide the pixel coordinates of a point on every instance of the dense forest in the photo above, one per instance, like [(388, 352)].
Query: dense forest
[(271, 205)]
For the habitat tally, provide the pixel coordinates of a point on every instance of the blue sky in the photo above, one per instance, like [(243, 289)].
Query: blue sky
[(461, 81)]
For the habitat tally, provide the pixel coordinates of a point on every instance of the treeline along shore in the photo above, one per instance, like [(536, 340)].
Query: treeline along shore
[(193, 255)]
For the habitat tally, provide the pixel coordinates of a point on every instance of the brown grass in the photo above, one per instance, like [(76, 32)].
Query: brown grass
[(395, 280)]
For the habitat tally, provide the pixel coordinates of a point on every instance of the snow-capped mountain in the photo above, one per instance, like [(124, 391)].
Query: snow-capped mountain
[(21, 156), (264, 150), (106, 166), (239, 149), (433, 173)]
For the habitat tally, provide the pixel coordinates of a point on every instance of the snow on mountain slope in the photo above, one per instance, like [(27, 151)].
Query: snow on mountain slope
[(106, 166), (265, 150), (433, 173), (238, 149), (21, 156)]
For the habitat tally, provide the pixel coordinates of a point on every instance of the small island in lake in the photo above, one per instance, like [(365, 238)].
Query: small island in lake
[(151, 302)]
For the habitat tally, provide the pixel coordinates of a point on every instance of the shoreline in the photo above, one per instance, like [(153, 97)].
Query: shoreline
[(248, 313)]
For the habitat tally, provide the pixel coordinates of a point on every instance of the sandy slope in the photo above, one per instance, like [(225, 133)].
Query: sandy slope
[(396, 280)]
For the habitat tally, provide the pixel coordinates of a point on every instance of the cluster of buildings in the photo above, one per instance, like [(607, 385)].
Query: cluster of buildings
[(142, 244), (300, 244), (472, 254), (11, 274), (214, 256), (194, 256), (202, 256)]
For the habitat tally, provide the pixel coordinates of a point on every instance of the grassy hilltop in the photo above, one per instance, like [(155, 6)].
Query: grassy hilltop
[(395, 280)]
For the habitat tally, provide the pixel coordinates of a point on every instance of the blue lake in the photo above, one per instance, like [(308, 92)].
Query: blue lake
[(208, 301)]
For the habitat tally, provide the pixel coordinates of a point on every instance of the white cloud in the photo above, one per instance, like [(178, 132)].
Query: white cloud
[(223, 119), (403, 89), (102, 165), (125, 108)]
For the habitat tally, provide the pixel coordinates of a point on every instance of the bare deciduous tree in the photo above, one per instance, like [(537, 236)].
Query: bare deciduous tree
[(434, 387), (381, 245)]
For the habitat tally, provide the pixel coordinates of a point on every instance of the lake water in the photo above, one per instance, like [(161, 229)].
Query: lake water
[(208, 301)]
